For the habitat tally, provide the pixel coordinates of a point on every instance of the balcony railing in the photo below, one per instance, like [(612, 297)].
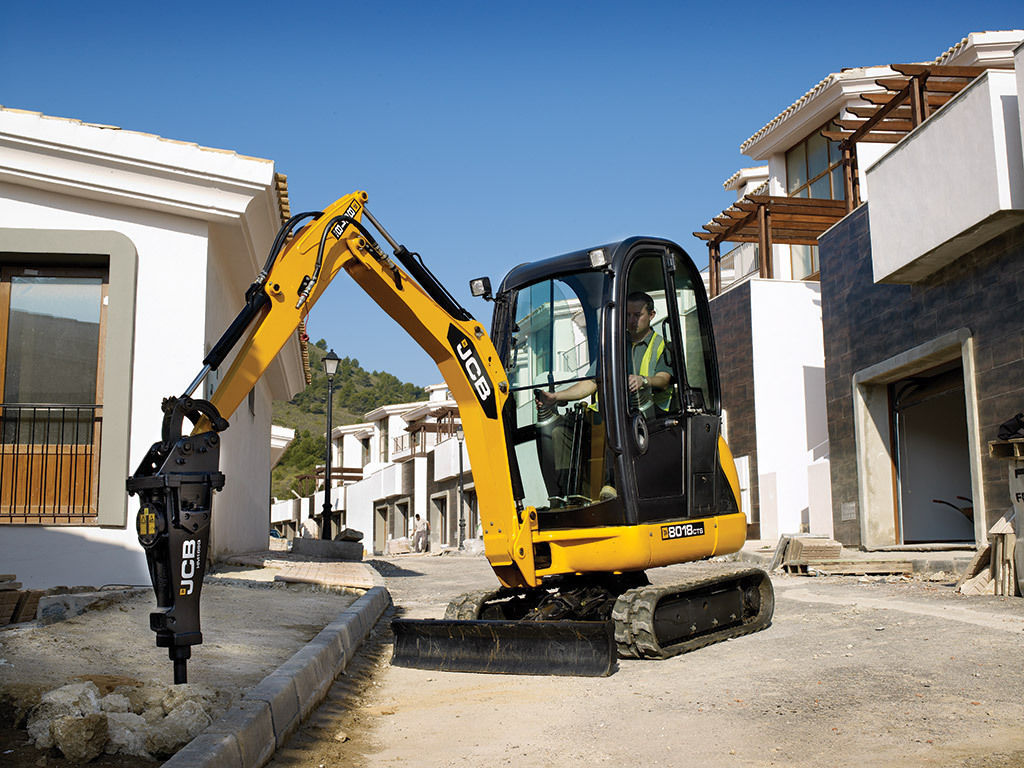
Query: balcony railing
[(49, 463)]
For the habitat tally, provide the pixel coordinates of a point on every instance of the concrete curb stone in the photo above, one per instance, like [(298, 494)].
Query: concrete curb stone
[(210, 750), (249, 722), (277, 690), (249, 734)]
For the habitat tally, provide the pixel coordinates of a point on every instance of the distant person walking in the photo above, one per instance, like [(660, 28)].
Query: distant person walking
[(421, 529)]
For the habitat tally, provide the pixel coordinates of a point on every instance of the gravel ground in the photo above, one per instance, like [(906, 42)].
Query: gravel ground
[(852, 672)]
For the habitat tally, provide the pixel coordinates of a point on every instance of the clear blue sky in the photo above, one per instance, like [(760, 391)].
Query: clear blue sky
[(486, 134)]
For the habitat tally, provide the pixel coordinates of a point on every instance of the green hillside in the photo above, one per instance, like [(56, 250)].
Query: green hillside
[(356, 392)]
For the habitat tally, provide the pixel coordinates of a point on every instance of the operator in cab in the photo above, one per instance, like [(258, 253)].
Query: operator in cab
[(650, 372)]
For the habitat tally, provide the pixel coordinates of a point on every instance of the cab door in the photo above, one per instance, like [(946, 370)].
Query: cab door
[(653, 420), (674, 429)]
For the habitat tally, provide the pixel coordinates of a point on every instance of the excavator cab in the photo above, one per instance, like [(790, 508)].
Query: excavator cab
[(612, 429), (621, 456)]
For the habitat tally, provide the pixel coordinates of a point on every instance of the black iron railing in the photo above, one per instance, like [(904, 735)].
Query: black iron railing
[(49, 461)]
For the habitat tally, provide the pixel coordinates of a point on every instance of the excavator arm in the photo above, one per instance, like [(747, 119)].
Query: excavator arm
[(179, 474)]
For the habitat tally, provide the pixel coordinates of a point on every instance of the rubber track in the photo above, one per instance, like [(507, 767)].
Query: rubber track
[(634, 616), (467, 607)]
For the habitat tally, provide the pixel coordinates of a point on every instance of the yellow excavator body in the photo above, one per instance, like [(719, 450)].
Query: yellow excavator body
[(563, 553)]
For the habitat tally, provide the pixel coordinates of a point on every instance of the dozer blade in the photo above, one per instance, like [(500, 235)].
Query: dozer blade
[(581, 648)]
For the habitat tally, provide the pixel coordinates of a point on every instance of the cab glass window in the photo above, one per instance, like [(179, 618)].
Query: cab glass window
[(559, 449)]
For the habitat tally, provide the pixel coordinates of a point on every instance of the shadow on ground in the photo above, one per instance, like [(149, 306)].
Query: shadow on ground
[(390, 570)]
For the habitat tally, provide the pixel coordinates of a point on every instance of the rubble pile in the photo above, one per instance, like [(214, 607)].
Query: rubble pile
[(144, 720)]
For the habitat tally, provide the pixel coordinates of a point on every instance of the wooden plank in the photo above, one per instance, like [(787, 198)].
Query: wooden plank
[(931, 84), (944, 70), (736, 238), (877, 98), (918, 110), (871, 138), (780, 552), (797, 202), (902, 111), (892, 83), (8, 576), (764, 253), (820, 211), (854, 567), (886, 124), (715, 268), (783, 236), (937, 99), (807, 218), (790, 239), (8, 586), (27, 605), (8, 604), (945, 86)]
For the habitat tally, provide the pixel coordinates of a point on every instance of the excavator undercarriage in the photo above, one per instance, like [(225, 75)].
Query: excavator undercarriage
[(580, 625)]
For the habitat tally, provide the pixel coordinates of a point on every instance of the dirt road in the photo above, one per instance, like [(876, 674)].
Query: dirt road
[(849, 674)]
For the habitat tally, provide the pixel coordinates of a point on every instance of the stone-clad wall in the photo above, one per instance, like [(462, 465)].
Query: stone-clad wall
[(730, 317), (865, 323)]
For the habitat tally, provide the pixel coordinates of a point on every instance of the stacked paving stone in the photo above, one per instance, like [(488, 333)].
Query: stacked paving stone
[(17, 604)]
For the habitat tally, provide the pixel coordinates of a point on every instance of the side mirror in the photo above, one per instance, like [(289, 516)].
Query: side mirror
[(481, 288)]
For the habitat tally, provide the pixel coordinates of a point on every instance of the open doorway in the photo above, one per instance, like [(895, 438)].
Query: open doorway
[(400, 521), (380, 529), (932, 457), (438, 521)]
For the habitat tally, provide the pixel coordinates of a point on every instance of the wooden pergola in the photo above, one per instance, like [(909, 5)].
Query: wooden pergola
[(766, 220), (909, 100)]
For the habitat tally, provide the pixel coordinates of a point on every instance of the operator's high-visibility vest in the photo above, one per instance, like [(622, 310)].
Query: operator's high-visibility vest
[(662, 397)]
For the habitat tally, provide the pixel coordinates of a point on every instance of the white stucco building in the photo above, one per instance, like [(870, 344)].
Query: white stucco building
[(124, 256), (766, 292)]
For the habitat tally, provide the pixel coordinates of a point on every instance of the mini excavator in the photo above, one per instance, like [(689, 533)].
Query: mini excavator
[(579, 496)]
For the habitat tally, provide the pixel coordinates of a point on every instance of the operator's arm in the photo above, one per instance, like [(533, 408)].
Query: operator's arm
[(577, 391), (658, 381)]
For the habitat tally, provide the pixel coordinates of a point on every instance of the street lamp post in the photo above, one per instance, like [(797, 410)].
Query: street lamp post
[(462, 500), (330, 362)]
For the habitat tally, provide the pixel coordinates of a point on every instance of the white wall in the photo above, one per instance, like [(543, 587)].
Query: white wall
[(420, 502), (359, 504), (789, 396), (446, 459), (166, 340), (917, 226), (241, 512)]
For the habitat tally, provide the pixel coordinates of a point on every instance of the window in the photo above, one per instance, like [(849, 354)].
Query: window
[(52, 323), (559, 449), (814, 169)]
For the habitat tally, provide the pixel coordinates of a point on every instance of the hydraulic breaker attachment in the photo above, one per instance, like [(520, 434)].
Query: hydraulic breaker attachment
[(175, 483), (581, 648)]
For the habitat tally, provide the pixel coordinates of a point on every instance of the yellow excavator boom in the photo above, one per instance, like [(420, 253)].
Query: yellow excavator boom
[(458, 345)]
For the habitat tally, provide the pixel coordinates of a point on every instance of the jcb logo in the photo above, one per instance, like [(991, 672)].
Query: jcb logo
[(189, 558), (474, 369)]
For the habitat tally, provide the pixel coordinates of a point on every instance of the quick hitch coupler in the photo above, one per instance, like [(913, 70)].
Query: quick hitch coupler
[(175, 483)]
